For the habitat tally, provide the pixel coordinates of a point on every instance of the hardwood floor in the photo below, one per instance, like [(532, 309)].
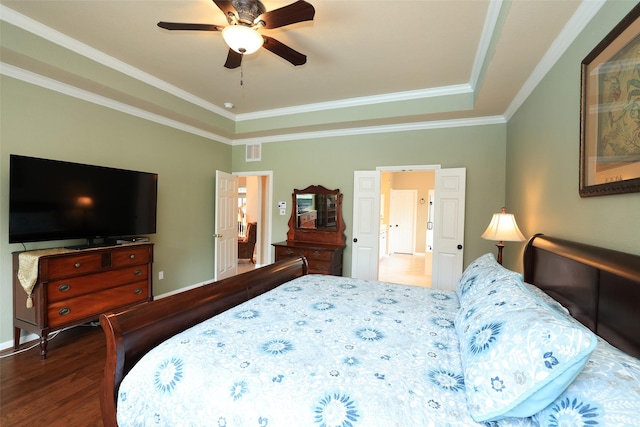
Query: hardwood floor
[(62, 390)]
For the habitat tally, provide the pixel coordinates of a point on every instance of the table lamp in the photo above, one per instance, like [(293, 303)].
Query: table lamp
[(503, 228)]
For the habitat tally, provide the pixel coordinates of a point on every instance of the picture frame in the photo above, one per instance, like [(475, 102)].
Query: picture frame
[(610, 112)]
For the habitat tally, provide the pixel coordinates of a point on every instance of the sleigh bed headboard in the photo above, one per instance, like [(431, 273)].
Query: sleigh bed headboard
[(600, 287)]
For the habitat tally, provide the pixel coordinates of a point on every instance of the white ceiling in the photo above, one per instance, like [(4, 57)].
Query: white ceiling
[(370, 63)]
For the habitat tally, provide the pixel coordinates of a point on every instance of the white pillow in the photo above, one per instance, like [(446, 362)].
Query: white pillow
[(518, 354)]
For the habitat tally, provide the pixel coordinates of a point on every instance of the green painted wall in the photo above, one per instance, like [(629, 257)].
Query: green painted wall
[(331, 162), (543, 158), (535, 172), (42, 123)]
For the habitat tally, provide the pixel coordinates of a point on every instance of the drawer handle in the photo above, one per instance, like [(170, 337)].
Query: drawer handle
[(316, 254), (64, 311), (289, 252), (137, 272), (64, 287), (137, 291), (132, 256), (77, 265)]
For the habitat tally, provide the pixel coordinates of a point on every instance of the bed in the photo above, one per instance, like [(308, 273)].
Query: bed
[(279, 347)]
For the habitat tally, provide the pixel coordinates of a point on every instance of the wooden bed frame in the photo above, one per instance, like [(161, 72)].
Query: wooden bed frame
[(133, 332), (600, 287)]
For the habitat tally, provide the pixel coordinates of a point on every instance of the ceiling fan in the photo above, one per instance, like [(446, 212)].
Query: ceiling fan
[(245, 18)]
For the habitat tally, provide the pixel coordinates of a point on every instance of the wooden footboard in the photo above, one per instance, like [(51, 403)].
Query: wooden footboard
[(132, 333)]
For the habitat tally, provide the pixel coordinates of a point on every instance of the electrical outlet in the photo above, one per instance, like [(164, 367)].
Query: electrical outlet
[(160, 275)]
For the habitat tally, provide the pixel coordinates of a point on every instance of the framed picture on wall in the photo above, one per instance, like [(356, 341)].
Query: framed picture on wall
[(610, 112)]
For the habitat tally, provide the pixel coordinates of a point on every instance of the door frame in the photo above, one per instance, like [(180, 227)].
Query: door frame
[(379, 169), (263, 248)]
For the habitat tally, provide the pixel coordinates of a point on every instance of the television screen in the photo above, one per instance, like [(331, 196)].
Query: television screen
[(55, 200)]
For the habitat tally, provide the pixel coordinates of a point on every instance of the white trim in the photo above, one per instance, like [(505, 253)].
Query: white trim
[(493, 13), (47, 33), (582, 16), (48, 83), (460, 89), (436, 124), (23, 339), (411, 168)]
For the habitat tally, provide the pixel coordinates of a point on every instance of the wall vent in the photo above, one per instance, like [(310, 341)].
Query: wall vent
[(254, 153)]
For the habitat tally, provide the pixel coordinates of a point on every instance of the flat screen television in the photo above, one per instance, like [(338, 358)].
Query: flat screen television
[(56, 200)]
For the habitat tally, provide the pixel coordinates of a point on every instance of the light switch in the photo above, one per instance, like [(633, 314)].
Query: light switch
[(283, 211)]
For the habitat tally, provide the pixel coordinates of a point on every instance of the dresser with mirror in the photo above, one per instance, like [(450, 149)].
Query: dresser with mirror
[(316, 230)]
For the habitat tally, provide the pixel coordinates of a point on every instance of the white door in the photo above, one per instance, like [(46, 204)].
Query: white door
[(226, 226), (402, 221), (366, 225), (448, 236)]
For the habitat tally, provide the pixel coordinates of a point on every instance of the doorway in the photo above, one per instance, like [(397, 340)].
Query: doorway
[(254, 205), (405, 214)]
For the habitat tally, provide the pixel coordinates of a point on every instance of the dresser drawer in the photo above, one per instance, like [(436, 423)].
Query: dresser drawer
[(319, 255), (92, 305), (75, 264), (131, 256), (319, 267), (283, 253), (71, 287)]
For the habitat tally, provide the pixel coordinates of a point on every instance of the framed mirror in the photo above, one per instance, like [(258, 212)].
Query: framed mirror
[(316, 216)]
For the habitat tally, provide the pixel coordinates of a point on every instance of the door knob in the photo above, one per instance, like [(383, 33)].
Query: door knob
[(459, 246), (355, 240), (217, 235)]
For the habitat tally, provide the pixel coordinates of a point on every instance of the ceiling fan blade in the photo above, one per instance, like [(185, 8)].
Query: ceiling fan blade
[(284, 51), (286, 15), (226, 7), (234, 59), (183, 26)]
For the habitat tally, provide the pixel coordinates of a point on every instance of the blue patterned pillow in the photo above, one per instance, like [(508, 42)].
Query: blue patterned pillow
[(518, 354), (606, 393), (482, 272)]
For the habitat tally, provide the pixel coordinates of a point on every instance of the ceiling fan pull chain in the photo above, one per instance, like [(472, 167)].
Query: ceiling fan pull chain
[(241, 74)]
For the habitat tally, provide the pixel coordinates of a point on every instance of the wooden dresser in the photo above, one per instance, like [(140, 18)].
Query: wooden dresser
[(322, 259), (77, 286), (316, 230)]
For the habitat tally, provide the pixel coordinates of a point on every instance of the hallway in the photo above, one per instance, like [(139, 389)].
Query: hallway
[(404, 268)]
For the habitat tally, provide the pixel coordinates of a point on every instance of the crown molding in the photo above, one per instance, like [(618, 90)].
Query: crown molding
[(576, 24), (19, 20), (368, 130), (56, 86), (582, 16), (464, 88)]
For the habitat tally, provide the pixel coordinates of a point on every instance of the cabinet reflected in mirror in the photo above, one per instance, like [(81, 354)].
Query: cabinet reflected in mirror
[(315, 210)]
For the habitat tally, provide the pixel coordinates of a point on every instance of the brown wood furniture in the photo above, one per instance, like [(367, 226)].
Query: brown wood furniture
[(322, 258), (247, 245), (316, 230), (132, 333), (600, 287), (556, 266), (76, 287)]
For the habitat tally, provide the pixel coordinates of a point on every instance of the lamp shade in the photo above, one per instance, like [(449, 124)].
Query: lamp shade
[(503, 227), (242, 39)]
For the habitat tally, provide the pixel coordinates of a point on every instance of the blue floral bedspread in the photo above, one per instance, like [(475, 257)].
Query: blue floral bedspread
[(317, 351)]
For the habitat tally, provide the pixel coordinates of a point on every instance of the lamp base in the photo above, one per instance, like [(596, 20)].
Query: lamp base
[(500, 245)]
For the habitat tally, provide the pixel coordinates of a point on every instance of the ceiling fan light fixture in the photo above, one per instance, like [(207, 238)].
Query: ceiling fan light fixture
[(242, 39)]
